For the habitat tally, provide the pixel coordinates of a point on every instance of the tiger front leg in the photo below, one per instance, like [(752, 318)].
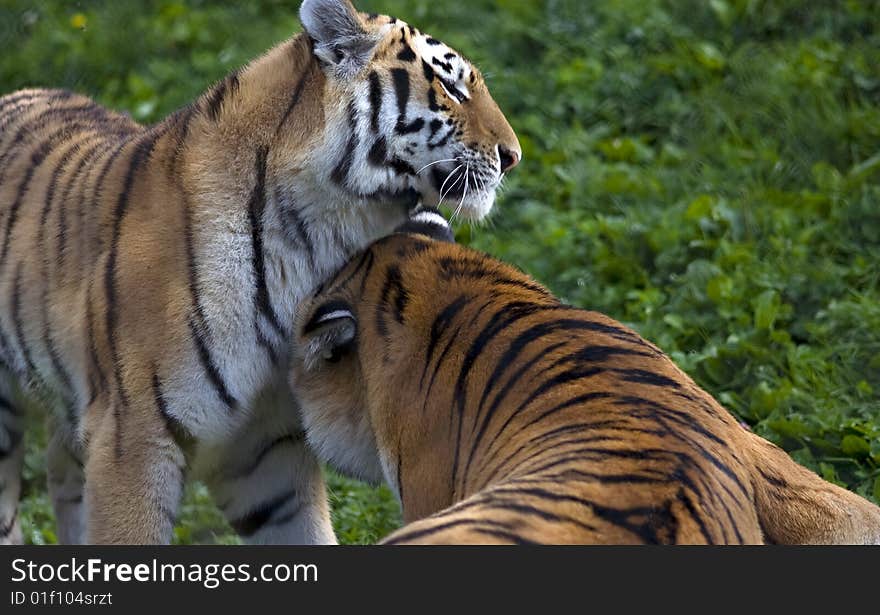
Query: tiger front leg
[(134, 476), (64, 468), (266, 479)]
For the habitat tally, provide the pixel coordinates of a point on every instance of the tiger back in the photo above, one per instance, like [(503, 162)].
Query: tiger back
[(499, 415), (148, 274)]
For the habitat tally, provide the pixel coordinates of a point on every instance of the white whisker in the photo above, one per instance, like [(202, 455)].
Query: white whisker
[(430, 164), (448, 177), (467, 175)]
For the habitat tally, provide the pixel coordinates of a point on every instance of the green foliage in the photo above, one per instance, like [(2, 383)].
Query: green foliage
[(707, 172)]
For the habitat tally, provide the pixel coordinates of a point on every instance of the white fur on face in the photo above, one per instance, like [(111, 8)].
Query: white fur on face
[(392, 131)]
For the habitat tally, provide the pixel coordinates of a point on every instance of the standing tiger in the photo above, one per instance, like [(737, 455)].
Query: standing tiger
[(149, 274), (499, 415)]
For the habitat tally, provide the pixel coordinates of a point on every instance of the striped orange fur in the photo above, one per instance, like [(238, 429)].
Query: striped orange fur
[(500, 415)]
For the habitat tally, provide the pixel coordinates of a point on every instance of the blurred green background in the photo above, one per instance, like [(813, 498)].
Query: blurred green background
[(707, 171)]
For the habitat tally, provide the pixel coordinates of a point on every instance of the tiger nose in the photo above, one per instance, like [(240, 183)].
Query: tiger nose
[(509, 158)]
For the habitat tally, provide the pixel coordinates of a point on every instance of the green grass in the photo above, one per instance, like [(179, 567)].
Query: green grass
[(705, 171)]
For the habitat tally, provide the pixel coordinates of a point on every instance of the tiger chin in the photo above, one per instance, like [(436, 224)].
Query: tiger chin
[(499, 415), (149, 273)]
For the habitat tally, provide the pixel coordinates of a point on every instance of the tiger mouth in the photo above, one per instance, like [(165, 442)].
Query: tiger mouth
[(455, 184)]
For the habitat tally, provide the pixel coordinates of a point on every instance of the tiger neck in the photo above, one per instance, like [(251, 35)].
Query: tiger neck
[(265, 220)]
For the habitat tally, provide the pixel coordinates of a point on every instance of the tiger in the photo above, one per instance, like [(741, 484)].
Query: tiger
[(499, 415), (149, 273)]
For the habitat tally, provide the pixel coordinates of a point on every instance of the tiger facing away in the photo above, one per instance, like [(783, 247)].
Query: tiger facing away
[(499, 415), (149, 274)]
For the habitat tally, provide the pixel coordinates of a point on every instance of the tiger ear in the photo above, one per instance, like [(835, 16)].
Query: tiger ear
[(329, 333), (341, 40)]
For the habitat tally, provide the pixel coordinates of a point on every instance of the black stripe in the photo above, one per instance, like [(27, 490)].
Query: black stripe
[(264, 452), (570, 475), (180, 120), (446, 66), (15, 438), (481, 269), (70, 125), (558, 458), (375, 100), (428, 70), (394, 284), (400, 78), (10, 112), (11, 99), (601, 354), (427, 393), (198, 323), (176, 430), (514, 350), (406, 54), (294, 222), (251, 523), (140, 155), (216, 97), (523, 509), (502, 394), (580, 456), (441, 323), (641, 376), (343, 167), (297, 94), (17, 322), (619, 517), (368, 269), (678, 417), (78, 174), (574, 401), (288, 516), (436, 107), (503, 535), (256, 207), (210, 368), (6, 528), (434, 126), (37, 158), (365, 262), (97, 197), (558, 380), (88, 236), (405, 535), (777, 482), (509, 314), (401, 166), (48, 340), (443, 141), (696, 516), (99, 385), (404, 128), (378, 152)]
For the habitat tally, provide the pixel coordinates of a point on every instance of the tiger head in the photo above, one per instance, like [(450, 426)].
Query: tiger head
[(342, 371), (413, 115)]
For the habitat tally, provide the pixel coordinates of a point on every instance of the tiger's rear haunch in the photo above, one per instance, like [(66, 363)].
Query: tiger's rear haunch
[(499, 415), (149, 274)]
